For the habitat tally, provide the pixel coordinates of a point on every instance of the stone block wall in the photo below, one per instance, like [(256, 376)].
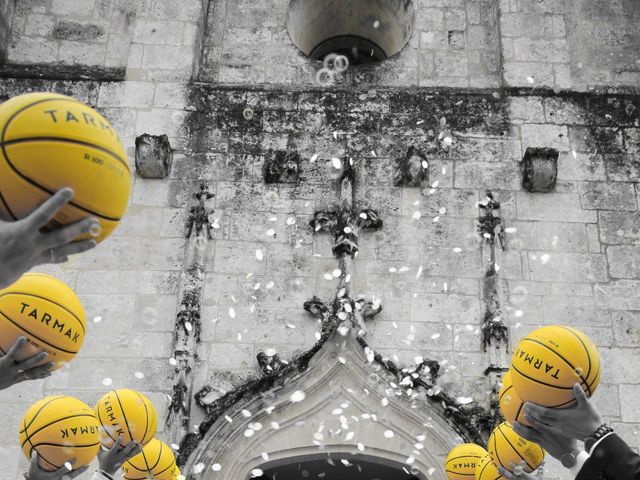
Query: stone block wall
[(572, 257), (6, 17)]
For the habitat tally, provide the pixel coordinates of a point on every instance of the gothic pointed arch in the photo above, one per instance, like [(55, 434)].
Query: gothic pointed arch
[(347, 412)]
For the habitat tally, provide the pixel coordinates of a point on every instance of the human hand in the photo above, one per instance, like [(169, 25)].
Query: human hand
[(12, 371), (518, 473), (23, 245), (63, 473), (577, 422), (111, 459), (553, 442)]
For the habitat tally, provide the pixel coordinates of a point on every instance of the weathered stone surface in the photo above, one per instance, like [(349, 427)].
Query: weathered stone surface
[(624, 260), (552, 206), (619, 295), (626, 327), (545, 136), (620, 228), (550, 236), (567, 267), (607, 196), (154, 156)]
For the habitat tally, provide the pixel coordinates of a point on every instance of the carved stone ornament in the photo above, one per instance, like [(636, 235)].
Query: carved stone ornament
[(339, 373)]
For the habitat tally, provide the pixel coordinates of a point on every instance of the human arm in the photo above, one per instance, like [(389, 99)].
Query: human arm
[(611, 457), (110, 460), (63, 473), (577, 422), (13, 371), (23, 244), (518, 474)]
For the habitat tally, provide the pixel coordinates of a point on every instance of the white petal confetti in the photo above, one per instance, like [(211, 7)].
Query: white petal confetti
[(199, 467), (232, 312), (271, 232), (259, 255), (388, 434), (291, 220), (107, 381), (139, 375), (97, 319), (216, 467), (314, 157), (297, 396), (416, 215), (337, 163)]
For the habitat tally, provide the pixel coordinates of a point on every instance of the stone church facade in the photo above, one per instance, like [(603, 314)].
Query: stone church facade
[(340, 271)]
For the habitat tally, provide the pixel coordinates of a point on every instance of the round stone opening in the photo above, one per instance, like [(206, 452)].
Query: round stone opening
[(365, 31)]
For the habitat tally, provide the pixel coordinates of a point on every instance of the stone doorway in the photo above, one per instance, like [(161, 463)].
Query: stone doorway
[(338, 467)]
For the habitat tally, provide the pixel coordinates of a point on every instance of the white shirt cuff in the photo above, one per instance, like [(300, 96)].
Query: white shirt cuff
[(596, 444), (99, 476), (581, 458)]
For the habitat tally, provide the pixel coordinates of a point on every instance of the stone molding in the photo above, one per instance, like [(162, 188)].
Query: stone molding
[(327, 383)]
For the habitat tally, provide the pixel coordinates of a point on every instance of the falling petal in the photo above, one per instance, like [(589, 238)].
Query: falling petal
[(297, 396)]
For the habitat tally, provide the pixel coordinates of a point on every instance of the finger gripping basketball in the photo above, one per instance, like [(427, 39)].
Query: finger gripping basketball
[(549, 361), (51, 141), (60, 429), (48, 313)]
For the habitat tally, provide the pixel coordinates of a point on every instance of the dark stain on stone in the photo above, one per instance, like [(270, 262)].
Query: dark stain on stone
[(539, 169), (65, 30), (281, 167), (411, 170)]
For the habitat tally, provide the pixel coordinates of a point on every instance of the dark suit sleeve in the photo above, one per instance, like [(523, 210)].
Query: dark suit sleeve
[(612, 459)]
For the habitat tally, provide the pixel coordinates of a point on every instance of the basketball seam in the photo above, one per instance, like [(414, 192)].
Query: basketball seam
[(67, 140), (124, 415), (38, 413), (146, 411), (159, 458), (6, 206), (563, 359), (69, 446), (514, 448), (48, 300), (56, 421), (505, 392), (588, 357), (35, 336), (2, 145), (102, 423), (45, 100), (463, 456), (173, 462)]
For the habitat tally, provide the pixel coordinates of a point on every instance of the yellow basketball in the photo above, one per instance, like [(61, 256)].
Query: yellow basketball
[(156, 461), (487, 470), (511, 405), (462, 461), (549, 361), (45, 311), (176, 473), (506, 447), (51, 141), (60, 429), (126, 414)]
